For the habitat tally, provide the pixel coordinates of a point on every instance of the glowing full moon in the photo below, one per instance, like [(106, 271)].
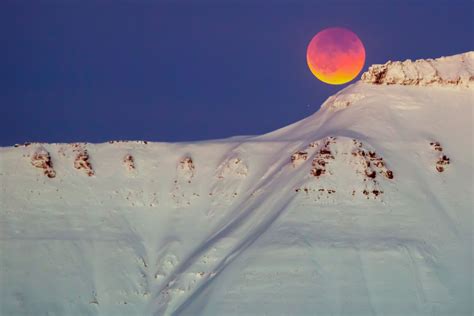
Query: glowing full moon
[(335, 55)]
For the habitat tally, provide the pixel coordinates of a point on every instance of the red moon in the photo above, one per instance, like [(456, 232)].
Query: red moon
[(335, 55)]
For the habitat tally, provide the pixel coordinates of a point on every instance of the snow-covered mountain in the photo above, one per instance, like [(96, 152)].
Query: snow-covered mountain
[(364, 208)]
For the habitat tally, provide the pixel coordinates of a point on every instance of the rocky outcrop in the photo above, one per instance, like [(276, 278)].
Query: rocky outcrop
[(442, 160), (457, 70), (186, 168), (143, 142), (42, 159), (129, 162), (373, 162), (299, 157), (82, 162), (365, 171), (322, 158), (183, 192)]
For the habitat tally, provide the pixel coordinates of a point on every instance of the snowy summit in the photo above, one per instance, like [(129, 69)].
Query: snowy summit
[(363, 208), (455, 70)]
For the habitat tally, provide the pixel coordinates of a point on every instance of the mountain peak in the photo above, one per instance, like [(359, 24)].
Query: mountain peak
[(456, 70), (322, 213)]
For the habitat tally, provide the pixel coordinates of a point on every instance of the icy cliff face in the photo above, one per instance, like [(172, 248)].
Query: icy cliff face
[(457, 70), (363, 208)]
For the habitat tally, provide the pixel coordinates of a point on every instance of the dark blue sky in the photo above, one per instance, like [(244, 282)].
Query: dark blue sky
[(184, 70)]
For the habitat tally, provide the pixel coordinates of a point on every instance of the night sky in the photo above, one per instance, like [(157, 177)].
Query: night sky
[(191, 70)]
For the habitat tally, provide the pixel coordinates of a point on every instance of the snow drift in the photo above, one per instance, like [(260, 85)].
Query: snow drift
[(364, 208)]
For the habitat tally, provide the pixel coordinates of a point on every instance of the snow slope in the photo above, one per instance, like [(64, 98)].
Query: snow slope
[(364, 208)]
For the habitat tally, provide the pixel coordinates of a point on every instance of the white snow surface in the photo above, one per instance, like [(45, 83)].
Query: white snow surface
[(305, 220)]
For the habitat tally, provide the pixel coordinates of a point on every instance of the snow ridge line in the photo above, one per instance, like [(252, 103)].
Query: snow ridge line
[(424, 72)]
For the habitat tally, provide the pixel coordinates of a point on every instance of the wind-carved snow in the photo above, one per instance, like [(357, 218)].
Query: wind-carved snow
[(183, 192), (342, 101), (230, 175), (455, 70), (363, 208)]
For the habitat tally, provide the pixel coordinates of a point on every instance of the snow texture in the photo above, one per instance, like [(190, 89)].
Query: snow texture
[(363, 208)]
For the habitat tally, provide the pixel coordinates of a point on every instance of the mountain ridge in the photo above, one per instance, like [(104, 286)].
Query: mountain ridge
[(455, 71), (363, 207)]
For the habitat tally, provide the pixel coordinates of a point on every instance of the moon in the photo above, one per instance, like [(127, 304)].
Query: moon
[(335, 55)]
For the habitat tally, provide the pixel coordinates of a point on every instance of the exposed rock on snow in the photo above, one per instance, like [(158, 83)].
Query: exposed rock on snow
[(443, 160), (371, 161), (298, 158), (82, 162), (129, 162), (144, 142), (186, 168), (183, 192), (457, 70), (25, 144), (436, 146), (322, 158), (362, 161), (41, 159)]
